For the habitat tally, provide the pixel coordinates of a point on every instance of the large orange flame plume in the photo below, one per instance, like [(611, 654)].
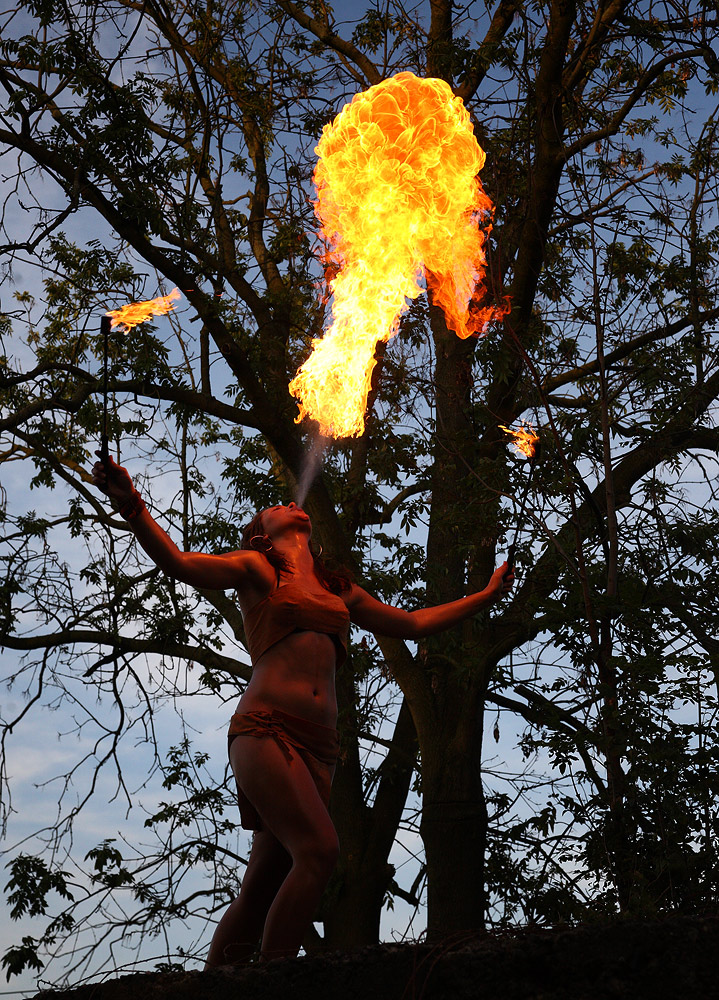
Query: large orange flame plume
[(398, 198), (135, 313)]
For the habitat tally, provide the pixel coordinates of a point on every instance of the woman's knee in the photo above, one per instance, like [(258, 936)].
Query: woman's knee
[(319, 854), (268, 867), (268, 852)]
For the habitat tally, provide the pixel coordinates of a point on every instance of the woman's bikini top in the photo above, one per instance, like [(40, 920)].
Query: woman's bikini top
[(289, 608)]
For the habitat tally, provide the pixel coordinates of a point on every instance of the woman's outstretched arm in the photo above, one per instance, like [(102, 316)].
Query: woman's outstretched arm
[(220, 572), (374, 616)]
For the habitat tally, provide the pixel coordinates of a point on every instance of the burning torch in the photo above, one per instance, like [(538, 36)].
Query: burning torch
[(124, 319), (526, 442)]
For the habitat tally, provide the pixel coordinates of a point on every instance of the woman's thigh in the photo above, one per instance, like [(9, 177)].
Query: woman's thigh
[(283, 792)]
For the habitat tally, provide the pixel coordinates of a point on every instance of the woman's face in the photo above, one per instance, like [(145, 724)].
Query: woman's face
[(281, 519)]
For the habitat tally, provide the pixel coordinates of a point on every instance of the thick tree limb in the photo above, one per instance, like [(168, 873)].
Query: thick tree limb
[(202, 402), (585, 55), (323, 31), (483, 57), (440, 41), (204, 656), (624, 350), (615, 122)]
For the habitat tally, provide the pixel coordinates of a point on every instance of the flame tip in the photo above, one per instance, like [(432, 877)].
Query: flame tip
[(134, 313), (525, 438)]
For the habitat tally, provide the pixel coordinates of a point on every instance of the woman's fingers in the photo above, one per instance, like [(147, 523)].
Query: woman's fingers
[(112, 479), (105, 474), (507, 577)]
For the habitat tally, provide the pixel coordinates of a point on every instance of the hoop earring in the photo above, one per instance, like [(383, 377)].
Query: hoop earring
[(319, 551), (264, 547)]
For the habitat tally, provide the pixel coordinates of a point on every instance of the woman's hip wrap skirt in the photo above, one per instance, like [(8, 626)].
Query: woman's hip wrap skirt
[(318, 746)]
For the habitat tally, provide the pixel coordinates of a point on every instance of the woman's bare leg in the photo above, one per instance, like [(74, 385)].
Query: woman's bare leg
[(286, 798), (239, 930)]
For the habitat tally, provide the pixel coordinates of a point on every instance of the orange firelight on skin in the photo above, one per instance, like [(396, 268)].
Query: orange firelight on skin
[(524, 438), (399, 200), (135, 313)]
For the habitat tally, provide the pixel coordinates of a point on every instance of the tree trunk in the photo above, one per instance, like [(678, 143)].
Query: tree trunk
[(454, 831), (352, 907), (454, 815), (353, 920)]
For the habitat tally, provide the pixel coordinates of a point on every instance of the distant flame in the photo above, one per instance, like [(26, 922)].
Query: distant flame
[(137, 312), (398, 198), (525, 439)]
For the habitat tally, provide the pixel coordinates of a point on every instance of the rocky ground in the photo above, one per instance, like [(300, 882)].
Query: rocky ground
[(673, 958)]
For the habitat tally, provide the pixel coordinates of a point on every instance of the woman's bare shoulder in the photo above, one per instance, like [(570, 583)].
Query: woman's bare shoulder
[(255, 579)]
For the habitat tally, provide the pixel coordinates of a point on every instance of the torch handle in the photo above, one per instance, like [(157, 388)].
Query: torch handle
[(520, 519), (104, 443), (510, 556)]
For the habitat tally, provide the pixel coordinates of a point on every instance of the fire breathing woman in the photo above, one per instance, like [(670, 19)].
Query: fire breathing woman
[(283, 742)]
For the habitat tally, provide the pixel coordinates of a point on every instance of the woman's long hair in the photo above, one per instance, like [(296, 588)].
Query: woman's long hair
[(337, 581)]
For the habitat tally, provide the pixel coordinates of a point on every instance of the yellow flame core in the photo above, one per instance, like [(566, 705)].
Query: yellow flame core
[(524, 439), (137, 312), (398, 198)]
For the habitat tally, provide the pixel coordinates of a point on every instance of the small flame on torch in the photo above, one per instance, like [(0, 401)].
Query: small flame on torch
[(524, 438), (135, 313)]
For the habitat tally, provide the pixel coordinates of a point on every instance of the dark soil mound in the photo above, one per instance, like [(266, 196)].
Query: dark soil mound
[(676, 958)]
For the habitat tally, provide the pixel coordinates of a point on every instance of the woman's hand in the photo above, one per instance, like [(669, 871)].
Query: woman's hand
[(501, 581), (113, 480)]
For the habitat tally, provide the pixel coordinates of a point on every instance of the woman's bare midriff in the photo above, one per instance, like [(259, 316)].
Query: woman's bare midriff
[(297, 676)]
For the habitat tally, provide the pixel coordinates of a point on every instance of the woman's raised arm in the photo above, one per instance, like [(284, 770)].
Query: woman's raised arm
[(374, 616), (220, 572)]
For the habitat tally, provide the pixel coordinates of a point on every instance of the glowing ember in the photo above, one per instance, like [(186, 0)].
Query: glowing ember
[(137, 312), (398, 198), (524, 439)]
